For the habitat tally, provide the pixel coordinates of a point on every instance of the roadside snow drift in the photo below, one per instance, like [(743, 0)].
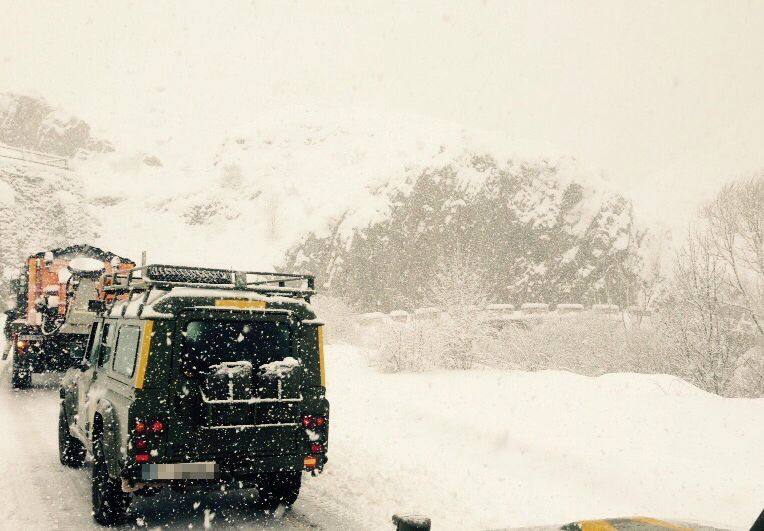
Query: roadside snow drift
[(495, 449)]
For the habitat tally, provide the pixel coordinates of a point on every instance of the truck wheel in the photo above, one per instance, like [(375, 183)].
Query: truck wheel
[(109, 502), (279, 488), (71, 452), (21, 378)]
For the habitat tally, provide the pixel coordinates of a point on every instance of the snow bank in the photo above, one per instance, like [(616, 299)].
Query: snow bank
[(7, 194), (496, 449)]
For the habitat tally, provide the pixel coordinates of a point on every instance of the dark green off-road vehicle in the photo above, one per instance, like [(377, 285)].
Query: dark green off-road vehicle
[(198, 378)]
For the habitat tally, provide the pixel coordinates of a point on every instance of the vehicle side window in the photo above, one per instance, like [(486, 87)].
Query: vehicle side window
[(105, 348), (92, 350), (127, 349)]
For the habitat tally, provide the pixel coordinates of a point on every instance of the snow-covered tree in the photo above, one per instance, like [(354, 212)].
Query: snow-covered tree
[(704, 337), (735, 221), (459, 291)]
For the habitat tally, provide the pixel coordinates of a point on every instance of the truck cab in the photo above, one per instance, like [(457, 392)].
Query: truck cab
[(198, 378)]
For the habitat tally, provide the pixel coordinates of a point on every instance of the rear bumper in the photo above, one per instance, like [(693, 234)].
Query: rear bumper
[(233, 471)]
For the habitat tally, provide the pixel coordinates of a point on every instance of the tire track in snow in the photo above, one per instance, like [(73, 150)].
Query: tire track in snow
[(37, 492)]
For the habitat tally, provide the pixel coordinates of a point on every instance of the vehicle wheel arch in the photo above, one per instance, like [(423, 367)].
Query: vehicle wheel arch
[(106, 427)]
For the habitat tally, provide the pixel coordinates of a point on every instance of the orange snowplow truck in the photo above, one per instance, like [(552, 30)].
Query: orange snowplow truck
[(52, 305)]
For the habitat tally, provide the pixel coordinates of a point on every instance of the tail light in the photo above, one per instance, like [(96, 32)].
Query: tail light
[(154, 426), (310, 462), (310, 422), (142, 438), (316, 448)]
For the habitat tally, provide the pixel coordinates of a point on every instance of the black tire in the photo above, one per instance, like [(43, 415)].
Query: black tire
[(71, 452), (21, 378), (280, 488), (109, 502)]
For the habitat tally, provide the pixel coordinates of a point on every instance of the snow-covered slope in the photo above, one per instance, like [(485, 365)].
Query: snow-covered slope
[(41, 207), (242, 199), (32, 124)]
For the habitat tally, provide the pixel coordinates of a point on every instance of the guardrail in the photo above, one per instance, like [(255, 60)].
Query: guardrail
[(35, 157)]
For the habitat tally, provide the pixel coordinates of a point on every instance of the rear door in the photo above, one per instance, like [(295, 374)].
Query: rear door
[(238, 385)]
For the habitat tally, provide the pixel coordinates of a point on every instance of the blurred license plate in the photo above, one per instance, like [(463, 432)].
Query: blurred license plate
[(206, 470)]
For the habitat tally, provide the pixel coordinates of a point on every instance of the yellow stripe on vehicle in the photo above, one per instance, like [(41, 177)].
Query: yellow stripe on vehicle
[(143, 356), (239, 303), (597, 525), (659, 523), (320, 332)]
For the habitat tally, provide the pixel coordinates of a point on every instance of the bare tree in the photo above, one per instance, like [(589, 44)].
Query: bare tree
[(649, 278), (735, 220), (704, 336)]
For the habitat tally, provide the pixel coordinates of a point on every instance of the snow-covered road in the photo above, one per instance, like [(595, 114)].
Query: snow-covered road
[(473, 450), (37, 492)]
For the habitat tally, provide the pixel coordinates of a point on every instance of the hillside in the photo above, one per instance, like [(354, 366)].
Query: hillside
[(249, 199), (530, 230), (31, 123), (41, 207)]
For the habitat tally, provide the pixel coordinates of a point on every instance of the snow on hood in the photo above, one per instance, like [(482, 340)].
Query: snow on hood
[(278, 369)]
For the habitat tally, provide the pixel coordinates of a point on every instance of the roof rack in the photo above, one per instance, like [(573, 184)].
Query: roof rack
[(162, 276)]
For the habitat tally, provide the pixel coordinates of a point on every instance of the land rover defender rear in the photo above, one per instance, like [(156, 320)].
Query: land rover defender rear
[(198, 378)]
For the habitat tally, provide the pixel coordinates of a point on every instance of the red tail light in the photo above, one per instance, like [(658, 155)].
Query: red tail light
[(141, 444), (316, 448), (153, 426), (141, 458), (310, 422)]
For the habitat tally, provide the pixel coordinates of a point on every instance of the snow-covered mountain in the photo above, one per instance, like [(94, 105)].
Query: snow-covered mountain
[(249, 198), (32, 124), (533, 231)]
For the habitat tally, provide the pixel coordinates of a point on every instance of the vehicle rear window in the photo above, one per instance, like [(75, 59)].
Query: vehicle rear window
[(127, 348), (208, 343)]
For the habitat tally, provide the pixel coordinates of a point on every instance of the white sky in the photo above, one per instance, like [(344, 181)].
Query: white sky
[(666, 98)]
